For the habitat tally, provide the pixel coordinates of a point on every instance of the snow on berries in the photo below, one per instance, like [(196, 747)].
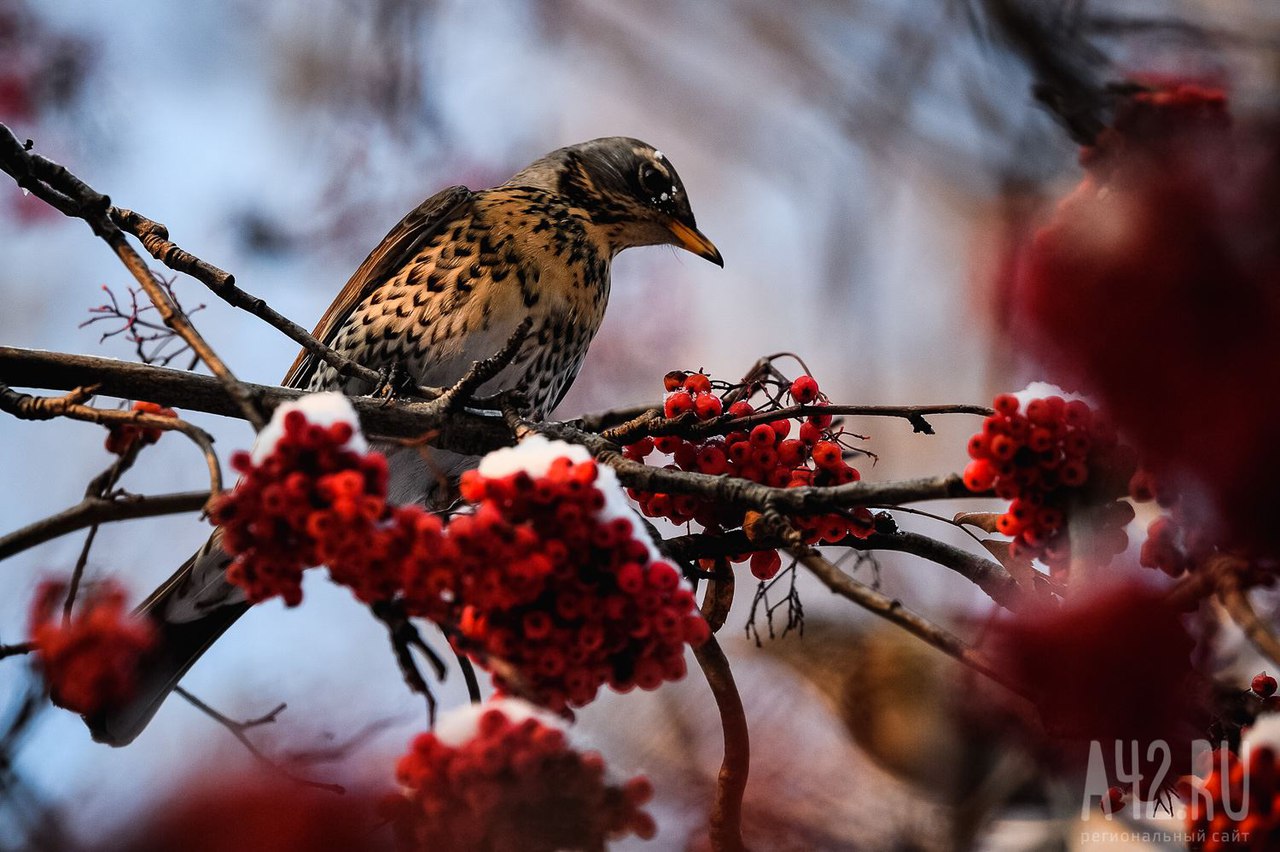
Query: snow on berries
[(1054, 459), (503, 776), (122, 437), (558, 590), (90, 662), (782, 452), (309, 495)]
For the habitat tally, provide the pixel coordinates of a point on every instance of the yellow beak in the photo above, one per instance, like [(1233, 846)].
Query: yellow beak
[(691, 239)]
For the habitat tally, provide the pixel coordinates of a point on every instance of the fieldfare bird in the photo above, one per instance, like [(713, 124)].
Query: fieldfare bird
[(448, 286)]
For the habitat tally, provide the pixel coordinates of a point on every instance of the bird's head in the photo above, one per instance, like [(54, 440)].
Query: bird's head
[(628, 189)]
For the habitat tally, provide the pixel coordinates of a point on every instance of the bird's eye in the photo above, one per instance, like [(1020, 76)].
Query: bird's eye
[(653, 181)]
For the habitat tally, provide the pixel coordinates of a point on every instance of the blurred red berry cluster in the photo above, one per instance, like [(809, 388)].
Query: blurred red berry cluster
[(1111, 664), (89, 662), (311, 500), (1055, 460), (513, 784), (1154, 290), (764, 453), (122, 437), (219, 810), (554, 582), (1238, 807)]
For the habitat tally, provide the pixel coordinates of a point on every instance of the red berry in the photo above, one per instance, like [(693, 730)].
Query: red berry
[(765, 564), (980, 475), (678, 403), (828, 455), (804, 390), (707, 406), (1006, 404), (1264, 685), (763, 435), (741, 408), (674, 380), (697, 383), (810, 433)]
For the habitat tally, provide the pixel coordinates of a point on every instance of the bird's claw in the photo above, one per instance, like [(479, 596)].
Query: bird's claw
[(393, 380)]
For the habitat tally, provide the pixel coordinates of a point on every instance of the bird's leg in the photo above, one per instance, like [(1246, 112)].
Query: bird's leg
[(393, 380)]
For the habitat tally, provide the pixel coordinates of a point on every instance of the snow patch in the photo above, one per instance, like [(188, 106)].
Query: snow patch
[(534, 456), (458, 727), (322, 409), (1040, 390)]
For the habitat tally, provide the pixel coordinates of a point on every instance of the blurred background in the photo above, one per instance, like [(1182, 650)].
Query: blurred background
[(862, 165)]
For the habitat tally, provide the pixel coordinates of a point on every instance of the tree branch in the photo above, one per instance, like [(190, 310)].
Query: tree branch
[(26, 407), (892, 610), (726, 813), (93, 510), (53, 183)]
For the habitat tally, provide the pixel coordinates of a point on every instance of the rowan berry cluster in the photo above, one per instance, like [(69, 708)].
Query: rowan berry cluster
[(121, 437), (552, 579), (545, 581), (1239, 805), (309, 497), (513, 782), (764, 452), (1053, 459), (91, 661)]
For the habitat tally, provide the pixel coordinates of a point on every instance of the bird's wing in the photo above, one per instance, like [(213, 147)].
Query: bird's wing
[(399, 246)]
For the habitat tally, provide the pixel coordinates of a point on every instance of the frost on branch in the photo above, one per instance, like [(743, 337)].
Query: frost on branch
[(91, 661), (505, 776)]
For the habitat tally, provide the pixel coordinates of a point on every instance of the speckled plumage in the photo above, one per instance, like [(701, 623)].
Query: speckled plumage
[(447, 287)]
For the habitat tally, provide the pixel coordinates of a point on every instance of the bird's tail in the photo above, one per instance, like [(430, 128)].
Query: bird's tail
[(190, 610)]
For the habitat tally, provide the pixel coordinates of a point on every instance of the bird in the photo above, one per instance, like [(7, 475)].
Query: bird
[(449, 285)]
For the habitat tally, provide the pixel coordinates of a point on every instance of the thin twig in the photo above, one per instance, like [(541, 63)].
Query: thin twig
[(93, 510), (53, 183), (155, 239), (14, 650), (27, 407), (892, 610), (690, 427), (726, 813), (238, 729)]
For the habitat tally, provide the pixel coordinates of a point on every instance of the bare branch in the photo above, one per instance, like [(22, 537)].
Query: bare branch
[(93, 510), (986, 574), (688, 426), (14, 650), (892, 610), (26, 407), (460, 431), (54, 184)]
